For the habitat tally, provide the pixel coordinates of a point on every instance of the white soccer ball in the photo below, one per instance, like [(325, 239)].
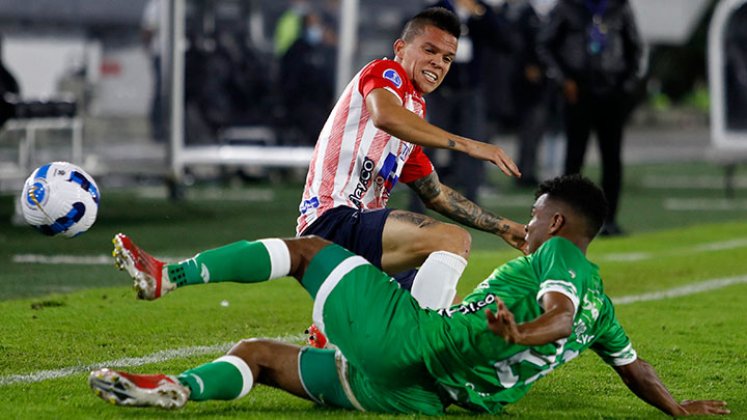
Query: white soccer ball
[(60, 198)]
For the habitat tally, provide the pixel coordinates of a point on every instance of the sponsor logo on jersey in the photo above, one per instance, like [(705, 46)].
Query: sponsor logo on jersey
[(364, 180), (393, 76), (468, 308), (306, 205), (387, 177)]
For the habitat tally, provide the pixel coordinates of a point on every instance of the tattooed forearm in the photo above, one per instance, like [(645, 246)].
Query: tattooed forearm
[(427, 187), (460, 209), (455, 206), (450, 143)]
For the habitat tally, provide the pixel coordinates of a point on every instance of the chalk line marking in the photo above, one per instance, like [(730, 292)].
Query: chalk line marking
[(162, 356), (704, 204), (67, 259), (695, 249), (686, 290), (104, 259), (63, 259), (157, 357), (711, 182)]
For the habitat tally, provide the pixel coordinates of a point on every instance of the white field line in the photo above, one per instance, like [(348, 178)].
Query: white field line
[(103, 259), (66, 259), (165, 355), (244, 195), (63, 259), (695, 249), (713, 182), (704, 204), (688, 289), (157, 357)]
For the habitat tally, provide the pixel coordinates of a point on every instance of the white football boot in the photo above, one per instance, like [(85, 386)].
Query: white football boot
[(127, 389)]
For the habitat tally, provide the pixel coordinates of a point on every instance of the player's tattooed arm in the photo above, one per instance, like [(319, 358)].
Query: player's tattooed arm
[(427, 188), (455, 206)]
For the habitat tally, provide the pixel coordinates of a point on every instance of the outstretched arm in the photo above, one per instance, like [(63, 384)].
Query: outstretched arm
[(388, 115), (554, 324), (441, 198), (641, 378)]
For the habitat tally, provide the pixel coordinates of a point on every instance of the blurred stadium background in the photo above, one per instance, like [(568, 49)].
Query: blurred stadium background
[(225, 130), (89, 63), (236, 164)]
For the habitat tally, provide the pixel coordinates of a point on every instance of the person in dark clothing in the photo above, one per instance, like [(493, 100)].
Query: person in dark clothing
[(459, 104), (592, 48), (535, 97), (307, 80), (9, 91), (736, 70)]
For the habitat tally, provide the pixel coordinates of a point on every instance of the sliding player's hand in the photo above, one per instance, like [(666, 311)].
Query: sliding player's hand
[(502, 323), (700, 407)]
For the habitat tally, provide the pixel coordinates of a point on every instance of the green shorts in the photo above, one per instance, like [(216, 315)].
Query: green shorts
[(377, 328), (320, 370)]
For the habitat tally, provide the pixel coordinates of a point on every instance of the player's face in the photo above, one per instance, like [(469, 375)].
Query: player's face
[(427, 57), (539, 228)]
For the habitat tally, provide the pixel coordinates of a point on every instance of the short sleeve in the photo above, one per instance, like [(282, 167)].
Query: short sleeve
[(613, 345), (560, 266), (417, 166), (386, 74)]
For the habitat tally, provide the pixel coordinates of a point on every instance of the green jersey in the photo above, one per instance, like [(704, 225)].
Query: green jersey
[(399, 358), (479, 370)]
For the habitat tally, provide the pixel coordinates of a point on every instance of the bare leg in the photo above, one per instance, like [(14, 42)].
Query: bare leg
[(440, 249), (302, 250), (273, 363), (409, 238)]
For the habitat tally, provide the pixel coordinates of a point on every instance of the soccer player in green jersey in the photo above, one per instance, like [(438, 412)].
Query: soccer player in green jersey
[(530, 316)]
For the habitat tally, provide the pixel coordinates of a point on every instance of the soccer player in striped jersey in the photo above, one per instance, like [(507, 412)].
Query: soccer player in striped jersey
[(372, 140), (529, 317)]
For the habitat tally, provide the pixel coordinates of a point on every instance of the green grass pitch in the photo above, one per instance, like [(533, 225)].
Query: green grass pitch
[(59, 320)]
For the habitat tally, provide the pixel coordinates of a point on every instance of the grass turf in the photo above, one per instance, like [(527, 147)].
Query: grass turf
[(76, 316), (696, 342)]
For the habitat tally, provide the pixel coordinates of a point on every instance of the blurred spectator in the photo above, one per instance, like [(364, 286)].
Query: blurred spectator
[(151, 36), (289, 26), (736, 70), (307, 80), (535, 96), (9, 90), (459, 104), (227, 83), (592, 48)]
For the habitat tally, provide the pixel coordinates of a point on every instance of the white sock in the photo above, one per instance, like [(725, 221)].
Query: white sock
[(247, 377), (435, 283), (280, 259)]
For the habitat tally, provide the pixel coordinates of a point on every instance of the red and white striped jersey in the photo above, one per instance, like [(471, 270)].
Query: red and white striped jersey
[(355, 164)]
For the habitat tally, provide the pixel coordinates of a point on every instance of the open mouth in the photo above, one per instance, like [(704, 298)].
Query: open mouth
[(430, 76)]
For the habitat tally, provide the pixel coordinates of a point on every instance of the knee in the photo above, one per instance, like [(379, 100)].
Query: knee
[(312, 242), (302, 251), (445, 237), (253, 351)]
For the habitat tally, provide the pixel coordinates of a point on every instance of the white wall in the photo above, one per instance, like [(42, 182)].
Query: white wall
[(39, 62), (668, 22)]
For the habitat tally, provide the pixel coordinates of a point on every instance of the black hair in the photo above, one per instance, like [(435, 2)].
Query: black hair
[(439, 17), (582, 195)]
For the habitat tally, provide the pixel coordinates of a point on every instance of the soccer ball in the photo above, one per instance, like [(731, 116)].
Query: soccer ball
[(60, 198)]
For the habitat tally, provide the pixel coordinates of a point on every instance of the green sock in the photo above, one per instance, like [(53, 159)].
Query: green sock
[(226, 378), (242, 262)]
